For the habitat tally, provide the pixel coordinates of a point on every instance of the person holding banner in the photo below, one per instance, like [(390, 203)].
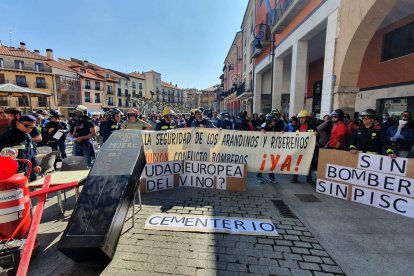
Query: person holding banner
[(225, 121), (242, 123), (216, 120), (401, 137), (199, 121), (134, 122), (167, 122), (305, 125), (368, 138), (272, 124), (111, 124)]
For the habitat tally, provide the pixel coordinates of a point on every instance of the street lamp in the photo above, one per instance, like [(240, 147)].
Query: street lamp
[(264, 29)]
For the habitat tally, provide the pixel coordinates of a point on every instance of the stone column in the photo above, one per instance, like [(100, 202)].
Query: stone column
[(344, 98), (328, 66), (257, 94), (277, 83), (298, 76)]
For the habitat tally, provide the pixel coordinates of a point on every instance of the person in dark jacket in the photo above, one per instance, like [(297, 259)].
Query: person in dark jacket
[(242, 123), (272, 124), (367, 138), (111, 124), (225, 121), (216, 120), (400, 137), (83, 133), (17, 136), (167, 122), (13, 114), (57, 131), (199, 121)]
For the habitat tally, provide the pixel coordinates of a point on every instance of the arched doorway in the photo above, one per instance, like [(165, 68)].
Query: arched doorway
[(358, 22)]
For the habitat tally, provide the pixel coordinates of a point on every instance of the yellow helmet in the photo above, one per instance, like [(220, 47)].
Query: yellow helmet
[(303, 113), (167, 111), (193, 111)]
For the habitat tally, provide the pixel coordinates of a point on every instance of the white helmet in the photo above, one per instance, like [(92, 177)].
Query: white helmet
[(81, 108)]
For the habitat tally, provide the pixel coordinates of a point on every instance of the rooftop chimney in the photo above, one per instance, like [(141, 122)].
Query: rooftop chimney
[(85, 63), (49, 53), (36, 51), (22, 45)]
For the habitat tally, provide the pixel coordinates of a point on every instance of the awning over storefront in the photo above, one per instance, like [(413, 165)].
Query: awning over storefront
[(15, 89)]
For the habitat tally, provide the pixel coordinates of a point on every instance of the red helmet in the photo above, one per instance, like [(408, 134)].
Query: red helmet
[(133, 112)]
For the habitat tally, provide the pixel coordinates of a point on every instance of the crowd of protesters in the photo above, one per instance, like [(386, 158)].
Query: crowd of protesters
[(368, 132)]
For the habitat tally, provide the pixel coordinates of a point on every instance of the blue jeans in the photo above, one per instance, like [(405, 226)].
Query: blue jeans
[(86, 150), (271, 175), (61, 144)]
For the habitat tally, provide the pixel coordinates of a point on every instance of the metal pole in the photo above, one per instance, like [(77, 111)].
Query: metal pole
[(271, 72)]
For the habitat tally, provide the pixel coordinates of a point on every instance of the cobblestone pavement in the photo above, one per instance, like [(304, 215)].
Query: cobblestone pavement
[(146, 252)]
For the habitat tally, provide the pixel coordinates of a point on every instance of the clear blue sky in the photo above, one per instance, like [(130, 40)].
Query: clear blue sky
[(184, 40)]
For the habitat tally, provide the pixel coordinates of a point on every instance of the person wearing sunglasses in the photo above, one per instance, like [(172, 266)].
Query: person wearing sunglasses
[(400, 137), (13, 114), (18, 137)]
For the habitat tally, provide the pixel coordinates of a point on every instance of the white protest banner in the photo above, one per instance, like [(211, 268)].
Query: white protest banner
[(161, 169), (196, 181), (221, 183), (197, 174), (286, 153), (332, 188), (160, 176), (383, 164), (188, 223), (374, 180), (387, 201), (159, 183), (217, 169), (371, 179)]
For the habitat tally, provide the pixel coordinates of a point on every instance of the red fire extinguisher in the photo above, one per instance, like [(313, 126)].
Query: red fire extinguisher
[(14, 199)]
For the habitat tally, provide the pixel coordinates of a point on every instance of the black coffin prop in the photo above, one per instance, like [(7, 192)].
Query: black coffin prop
[(96, 223)]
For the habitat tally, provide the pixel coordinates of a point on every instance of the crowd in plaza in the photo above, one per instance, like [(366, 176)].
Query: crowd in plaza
[(369, 132)]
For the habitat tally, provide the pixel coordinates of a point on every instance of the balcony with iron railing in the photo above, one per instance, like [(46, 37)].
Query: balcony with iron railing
[(240, 89), (285, 12), (26, 67)]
